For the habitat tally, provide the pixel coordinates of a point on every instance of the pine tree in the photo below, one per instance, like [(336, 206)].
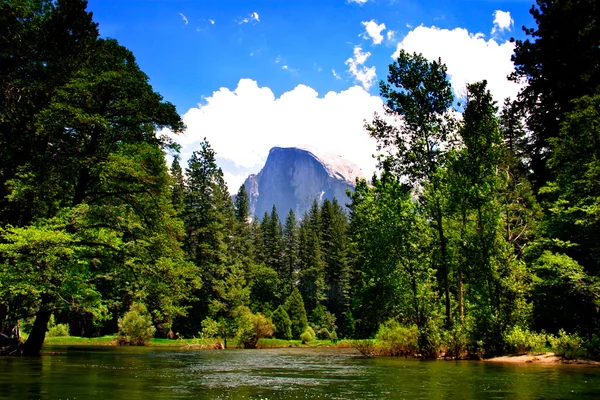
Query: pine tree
[(294, 305), (312, 264), (242, 205), (177, 185), (290, 260), (334, 239), (283, 324)]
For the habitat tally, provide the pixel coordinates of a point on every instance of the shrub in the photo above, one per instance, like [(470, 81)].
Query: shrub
[(251, 327), (57, 330), (566, 345), (283, 323), (523, 341), (210, 328), (307, 335), (456, 341), (592, 347), (366, 347), (135, 328), (397, 340), (323, 334)]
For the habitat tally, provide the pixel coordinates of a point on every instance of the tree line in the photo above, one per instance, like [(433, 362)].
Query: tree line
[(478, 233)]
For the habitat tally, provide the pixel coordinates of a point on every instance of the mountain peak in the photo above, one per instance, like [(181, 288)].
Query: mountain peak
[(293, 177)]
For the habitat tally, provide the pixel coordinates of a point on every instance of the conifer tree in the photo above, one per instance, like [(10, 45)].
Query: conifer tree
[(334, 239), (312, 264), (289, 270), (242, 205), (294, 305)]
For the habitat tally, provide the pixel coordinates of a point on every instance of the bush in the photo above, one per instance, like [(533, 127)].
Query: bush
[(592, 347), (523, 341), (566, 345), (307, 335), (135, 328), (366, 347), (210, 328), (251, 327), (456, 341), (57, 330), (283, 324), (395, 339)]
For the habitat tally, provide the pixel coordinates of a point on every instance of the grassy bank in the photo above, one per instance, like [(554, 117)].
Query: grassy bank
[(192, 343)]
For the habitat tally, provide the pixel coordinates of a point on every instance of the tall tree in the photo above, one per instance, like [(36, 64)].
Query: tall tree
[(242, 205), (560, 62), (312, 264), (335, 245), (418, 91), (89, 167), (290, 253)]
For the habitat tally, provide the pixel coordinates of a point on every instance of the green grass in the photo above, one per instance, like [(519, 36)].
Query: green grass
[(192, 342), (81, 341)]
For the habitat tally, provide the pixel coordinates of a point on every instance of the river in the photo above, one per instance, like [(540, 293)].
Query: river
[(165, 373)]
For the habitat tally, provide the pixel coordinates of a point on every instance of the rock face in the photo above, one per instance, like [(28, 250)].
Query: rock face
[(293, 178)]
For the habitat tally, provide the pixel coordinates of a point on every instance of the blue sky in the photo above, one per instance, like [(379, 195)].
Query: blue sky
[(249, 75)]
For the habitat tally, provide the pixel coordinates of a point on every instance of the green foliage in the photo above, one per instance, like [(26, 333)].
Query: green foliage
[(250, 327), (210, 328), (395, 339), (294, 305), (523, 341), (559, 61), (308, 335), (135, 328), (566, 345), (283, 323), (564, 296), (57, 330)]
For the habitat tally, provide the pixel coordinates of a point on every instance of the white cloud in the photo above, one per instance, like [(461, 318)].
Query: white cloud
[(469, 58), (243, 124), (502, 21), (250, 18), (336, 74), (278, 59), (363, 74), (212, 21), (185, 20), (373, 31), (391, 35), (359, 2)]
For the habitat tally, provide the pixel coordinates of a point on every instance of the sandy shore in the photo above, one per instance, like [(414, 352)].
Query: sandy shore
[(546, 358)]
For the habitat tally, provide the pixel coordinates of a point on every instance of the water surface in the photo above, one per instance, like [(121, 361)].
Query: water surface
[(165, 373)]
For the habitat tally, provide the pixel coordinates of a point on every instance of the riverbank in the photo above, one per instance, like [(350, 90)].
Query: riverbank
[(193, 343), (546, 358)]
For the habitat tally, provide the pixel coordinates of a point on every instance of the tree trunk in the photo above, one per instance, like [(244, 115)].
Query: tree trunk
[(34, 343), (461, 301)]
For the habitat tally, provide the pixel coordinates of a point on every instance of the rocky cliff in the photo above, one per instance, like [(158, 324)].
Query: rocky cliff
[(293, 177)]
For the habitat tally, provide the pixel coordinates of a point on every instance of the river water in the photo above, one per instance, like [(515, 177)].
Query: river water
[(165, 373)]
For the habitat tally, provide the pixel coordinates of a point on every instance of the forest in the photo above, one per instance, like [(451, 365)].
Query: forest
[(478, 235)]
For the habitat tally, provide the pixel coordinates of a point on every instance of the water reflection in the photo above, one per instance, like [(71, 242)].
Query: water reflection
[(155, 373)]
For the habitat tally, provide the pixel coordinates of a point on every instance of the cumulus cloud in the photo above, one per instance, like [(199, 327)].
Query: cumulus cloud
[(469, 58), (391, 35), (212, 21), (361, 73), (502, 21), (185, 20), (373, 31), (243, 124), (336, 74), (359, 2), (253, 17)]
